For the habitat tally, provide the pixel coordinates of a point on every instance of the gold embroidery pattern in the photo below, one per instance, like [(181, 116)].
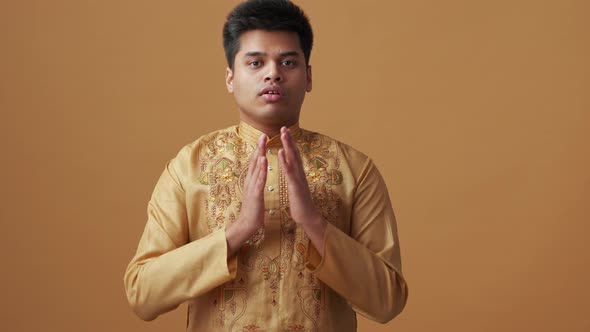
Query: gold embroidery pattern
[(231, 302), (223, 165), (224, 176), (321, 167), (311, 300), (272, 272), (249, 254)]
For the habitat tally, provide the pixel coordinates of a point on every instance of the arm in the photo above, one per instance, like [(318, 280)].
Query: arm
[(167, 270), (370, 255)]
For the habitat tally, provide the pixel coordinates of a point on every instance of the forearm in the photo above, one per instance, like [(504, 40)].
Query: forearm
[(346, 264), (159, 283), (315, 229)]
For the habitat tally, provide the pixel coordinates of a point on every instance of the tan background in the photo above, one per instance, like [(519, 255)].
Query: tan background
[(476, 112)]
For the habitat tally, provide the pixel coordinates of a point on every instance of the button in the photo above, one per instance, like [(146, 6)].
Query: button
[(269, 151), (269, 168), (271, 212), (271, 188)]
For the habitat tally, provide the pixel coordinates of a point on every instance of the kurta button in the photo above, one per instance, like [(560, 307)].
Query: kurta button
[(270, 168), (271, 212), (269, 151), (271, 188)]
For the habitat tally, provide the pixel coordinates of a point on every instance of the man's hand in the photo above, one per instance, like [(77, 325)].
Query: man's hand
[(251, 217), (301, 206)]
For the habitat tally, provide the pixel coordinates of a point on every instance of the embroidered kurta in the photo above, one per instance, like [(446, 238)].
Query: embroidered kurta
[(277, 281)]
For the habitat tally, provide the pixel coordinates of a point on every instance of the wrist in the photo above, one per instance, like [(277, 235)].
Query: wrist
[(236, 234), (312, 221), (240, 231), (313, 218)]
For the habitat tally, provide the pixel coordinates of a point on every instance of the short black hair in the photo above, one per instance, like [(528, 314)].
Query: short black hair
[(268, 15)]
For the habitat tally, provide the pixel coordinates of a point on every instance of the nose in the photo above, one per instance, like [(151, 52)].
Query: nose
[(273, 74)]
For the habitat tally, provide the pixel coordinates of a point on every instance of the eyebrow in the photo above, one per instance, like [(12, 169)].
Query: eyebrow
[(283, 54)]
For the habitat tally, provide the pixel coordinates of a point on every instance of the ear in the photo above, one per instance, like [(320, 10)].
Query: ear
[(229, 80), (308, 87)]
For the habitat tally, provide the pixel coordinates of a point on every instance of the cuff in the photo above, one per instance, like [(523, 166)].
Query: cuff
[(230, 267), (314, 261)]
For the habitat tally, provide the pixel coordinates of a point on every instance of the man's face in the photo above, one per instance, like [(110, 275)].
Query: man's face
[(270, 78)]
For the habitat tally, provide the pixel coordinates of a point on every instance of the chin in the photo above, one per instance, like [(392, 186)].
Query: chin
[(270, 113), (273, 110)]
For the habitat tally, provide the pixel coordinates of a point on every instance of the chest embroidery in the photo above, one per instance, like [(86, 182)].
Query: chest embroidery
[(223, 162), (223, 169)]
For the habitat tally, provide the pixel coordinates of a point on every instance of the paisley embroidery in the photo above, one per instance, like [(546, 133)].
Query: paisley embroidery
[(273, 273)]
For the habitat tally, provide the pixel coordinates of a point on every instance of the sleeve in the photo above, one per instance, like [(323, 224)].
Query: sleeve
[(369, 255), (167, 269)]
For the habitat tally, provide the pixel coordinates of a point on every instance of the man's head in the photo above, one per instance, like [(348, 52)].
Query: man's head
[(267, 15), (267, 45)]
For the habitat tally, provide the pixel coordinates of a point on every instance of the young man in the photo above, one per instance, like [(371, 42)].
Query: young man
[(265, 226)]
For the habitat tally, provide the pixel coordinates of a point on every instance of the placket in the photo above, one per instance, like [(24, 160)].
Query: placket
[(272, 223)]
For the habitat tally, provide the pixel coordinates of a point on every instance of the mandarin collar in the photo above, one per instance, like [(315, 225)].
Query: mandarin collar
[(251, 134)]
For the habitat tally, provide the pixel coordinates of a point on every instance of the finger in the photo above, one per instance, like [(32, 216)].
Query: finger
[(292, 156), (282, 161), (253, 166), (260, 147), (261, 174), (285, 164), (288, 145), (295, 175), (296, 154)]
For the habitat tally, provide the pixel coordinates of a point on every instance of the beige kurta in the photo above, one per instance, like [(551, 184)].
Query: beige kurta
[(277, 281)]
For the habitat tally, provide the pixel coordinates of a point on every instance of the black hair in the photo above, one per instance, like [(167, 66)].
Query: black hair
[(268, 15)]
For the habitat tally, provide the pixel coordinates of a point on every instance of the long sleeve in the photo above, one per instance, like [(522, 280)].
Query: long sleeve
[(364, 266), (167, 268)]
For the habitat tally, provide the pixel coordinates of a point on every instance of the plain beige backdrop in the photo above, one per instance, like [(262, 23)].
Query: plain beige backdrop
[(476, 112)]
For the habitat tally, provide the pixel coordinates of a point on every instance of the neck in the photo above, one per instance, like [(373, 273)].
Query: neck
[(271, 130)]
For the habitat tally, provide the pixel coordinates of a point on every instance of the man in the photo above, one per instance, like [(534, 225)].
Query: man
[(265, 226)]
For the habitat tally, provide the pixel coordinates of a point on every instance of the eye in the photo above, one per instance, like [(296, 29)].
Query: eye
[(287, 63), (254, 63)]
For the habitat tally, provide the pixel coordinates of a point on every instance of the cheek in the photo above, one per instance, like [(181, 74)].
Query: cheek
[(244, 85), (302, 89), (244, 92)]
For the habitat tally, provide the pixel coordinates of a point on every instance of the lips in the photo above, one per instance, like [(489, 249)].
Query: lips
[(271, 90), (272, 93)]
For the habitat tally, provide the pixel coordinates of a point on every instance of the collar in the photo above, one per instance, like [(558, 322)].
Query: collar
[(251, 134)]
